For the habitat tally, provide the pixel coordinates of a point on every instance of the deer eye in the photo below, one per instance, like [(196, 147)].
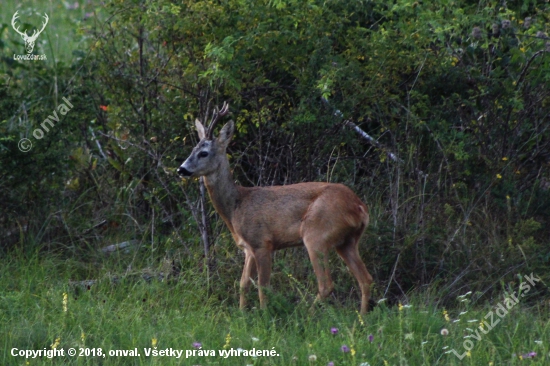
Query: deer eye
[(203, 154)]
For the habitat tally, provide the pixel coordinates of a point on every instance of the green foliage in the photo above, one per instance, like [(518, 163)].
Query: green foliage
[(454, 92)]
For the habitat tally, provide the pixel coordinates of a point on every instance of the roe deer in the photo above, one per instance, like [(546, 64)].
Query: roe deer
[(321, 216)]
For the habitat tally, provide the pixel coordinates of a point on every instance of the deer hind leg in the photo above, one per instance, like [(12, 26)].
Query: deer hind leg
[(350, 254), (263, 262), (318, 254), (249, 272)]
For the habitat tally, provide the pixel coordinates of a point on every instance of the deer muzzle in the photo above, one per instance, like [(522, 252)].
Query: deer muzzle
[(184, 172)]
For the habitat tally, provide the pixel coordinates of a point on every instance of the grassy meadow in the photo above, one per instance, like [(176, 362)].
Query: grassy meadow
[(42, 307)]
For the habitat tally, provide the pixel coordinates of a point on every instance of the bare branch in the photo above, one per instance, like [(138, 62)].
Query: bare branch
[(372, 140)]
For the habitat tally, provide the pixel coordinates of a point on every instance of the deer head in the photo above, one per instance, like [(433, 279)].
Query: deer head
[(29, 40), (204, 158)]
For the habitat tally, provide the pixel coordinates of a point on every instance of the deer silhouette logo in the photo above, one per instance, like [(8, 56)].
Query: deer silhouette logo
[(29, 40)]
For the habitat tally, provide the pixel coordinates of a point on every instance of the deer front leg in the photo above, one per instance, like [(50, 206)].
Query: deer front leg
[(263, 262), (249, 271)]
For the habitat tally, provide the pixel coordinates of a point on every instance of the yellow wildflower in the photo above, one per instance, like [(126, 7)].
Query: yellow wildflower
[(154, 342), (227, 340), (65, 301), (400, 306), (56, 343), (499, 176), (504, 158), (360, 318)]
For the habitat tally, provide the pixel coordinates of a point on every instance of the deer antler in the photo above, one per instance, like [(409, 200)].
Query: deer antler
[(13, 20), (36, 33), (216, 115), (24, 34)]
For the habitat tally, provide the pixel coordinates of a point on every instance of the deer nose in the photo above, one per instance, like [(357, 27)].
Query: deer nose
[(184, 172)]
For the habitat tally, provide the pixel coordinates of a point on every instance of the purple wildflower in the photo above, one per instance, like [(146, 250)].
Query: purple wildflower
[(197, 345), (529, 355), (330, 363), (344, 348), (371, 338), (334, 330)]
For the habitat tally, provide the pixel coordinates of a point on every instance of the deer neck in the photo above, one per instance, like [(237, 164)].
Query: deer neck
[(223, 191)]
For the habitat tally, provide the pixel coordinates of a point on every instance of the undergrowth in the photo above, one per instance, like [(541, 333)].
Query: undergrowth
[(45, 303)]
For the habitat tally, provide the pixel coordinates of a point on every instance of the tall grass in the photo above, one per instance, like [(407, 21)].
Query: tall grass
[(143, 305)]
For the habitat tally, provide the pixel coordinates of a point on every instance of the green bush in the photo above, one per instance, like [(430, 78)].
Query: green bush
[(455, 94)]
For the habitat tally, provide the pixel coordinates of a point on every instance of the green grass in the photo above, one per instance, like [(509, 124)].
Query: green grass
[(132, 310)]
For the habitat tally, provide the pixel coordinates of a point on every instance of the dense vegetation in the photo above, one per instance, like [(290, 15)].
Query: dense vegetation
[(454, 95)]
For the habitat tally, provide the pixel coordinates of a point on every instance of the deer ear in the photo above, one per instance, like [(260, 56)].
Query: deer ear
[(200, 129), (226, 133)]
